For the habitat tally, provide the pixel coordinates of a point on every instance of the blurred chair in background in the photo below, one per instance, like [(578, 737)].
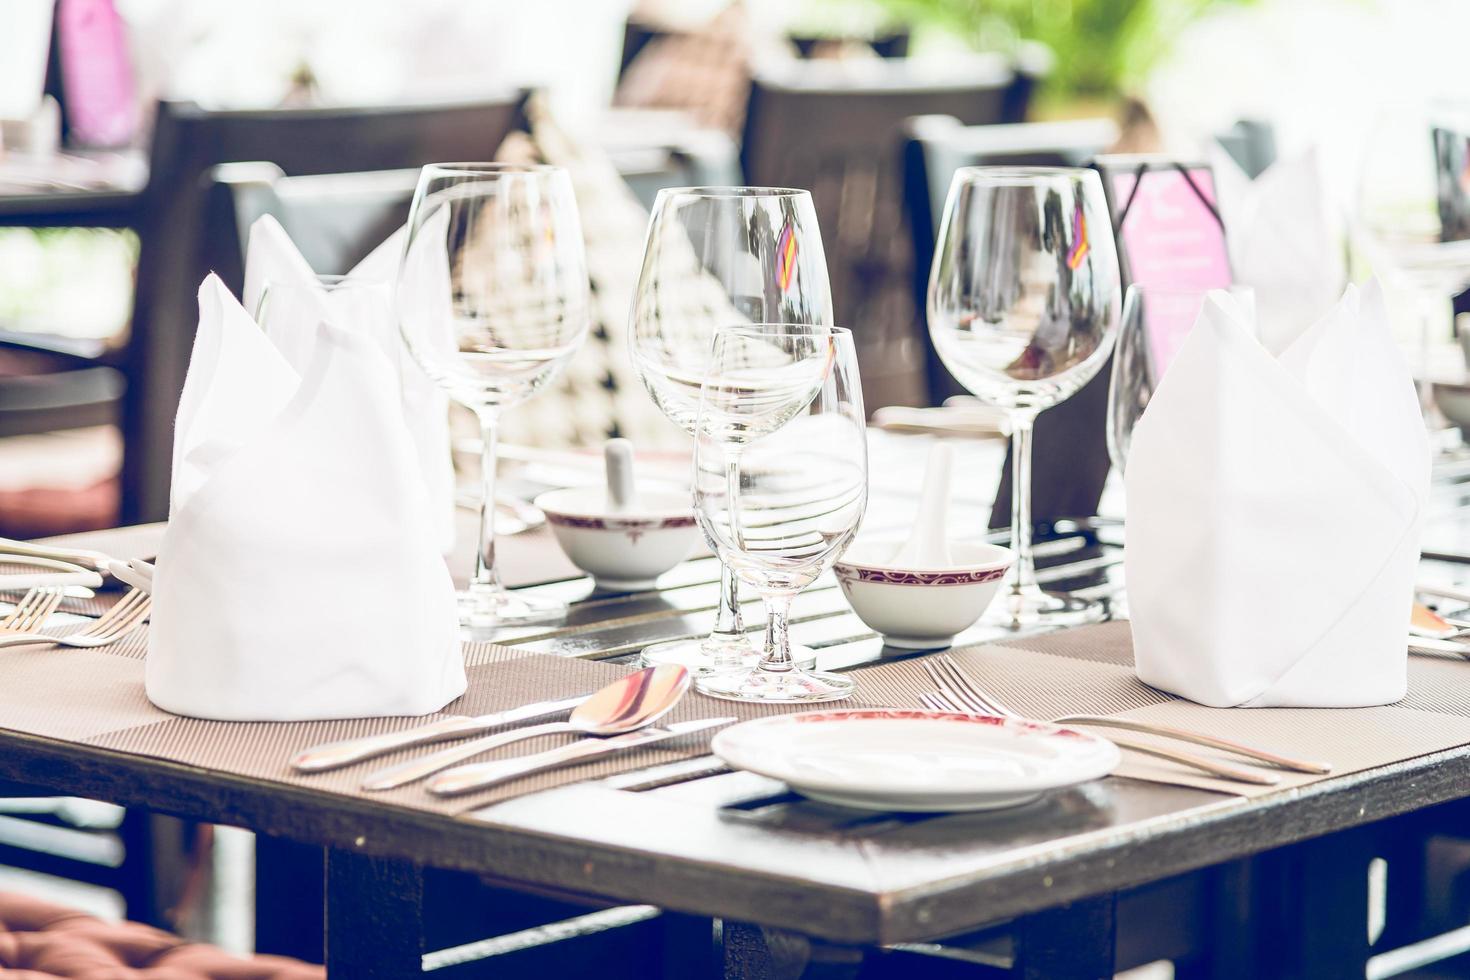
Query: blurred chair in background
[(188, 142), (838, 130)]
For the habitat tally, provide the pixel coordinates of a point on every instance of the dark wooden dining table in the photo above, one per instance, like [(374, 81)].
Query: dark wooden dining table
[(706, 872)]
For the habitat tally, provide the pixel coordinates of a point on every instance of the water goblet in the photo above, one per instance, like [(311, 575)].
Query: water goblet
[(780, 484)]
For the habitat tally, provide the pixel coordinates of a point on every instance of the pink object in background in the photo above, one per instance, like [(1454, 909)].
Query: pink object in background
[(1173, 241), (96, 73)]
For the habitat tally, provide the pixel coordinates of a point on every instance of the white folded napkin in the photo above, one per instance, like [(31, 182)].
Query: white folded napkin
[(272, 257), (1274, 509), (1283, 243), (298, 577)]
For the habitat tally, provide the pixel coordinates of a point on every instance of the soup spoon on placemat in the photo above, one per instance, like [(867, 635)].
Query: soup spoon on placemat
[(627, 704)]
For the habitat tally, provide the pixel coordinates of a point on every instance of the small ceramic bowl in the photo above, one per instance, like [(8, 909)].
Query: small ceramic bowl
[(919, 609), (622, 552)]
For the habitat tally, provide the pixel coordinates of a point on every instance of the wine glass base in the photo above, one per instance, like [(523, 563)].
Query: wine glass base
[(484, 610), (785, 686), (1034, 609), (711, 654)]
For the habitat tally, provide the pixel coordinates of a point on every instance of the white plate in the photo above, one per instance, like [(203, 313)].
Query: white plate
[(915, 761)]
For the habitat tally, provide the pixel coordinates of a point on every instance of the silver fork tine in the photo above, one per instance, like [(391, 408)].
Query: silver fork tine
[(20, 608), (969, 693), (124, 616), (947, 690), (935, 701), (118, 612), (128, 622), (44, 606)]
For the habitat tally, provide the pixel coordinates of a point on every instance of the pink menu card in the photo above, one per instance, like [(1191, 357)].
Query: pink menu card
[(1173, 239)]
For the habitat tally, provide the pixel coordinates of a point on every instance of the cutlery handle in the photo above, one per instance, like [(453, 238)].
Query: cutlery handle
[(1217, 769), (417, 769), (335, 755), (94, 560), (1199, 738), (480, 775)]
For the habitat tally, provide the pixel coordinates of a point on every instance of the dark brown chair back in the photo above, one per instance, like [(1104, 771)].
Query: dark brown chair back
[(837, 130), (188, 142)]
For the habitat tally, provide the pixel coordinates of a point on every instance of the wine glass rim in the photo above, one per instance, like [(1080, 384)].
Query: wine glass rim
[(782, 329), (1018, 175), (734, 191), (490, 168)]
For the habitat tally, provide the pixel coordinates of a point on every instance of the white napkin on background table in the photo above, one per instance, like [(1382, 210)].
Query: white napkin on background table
[(299, 576), (272, 257), (1282, 242), (1274, 510)]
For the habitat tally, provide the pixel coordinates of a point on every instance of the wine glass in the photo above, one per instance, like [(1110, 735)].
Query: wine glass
[(717, 256), (780, 484), (1156, 319), (492, 302), (1407, 225), (1023, 306)]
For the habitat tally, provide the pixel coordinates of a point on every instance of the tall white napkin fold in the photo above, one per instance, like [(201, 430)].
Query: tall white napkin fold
[(298, 577), (1274, 510), (271, 256), (1282, 241)]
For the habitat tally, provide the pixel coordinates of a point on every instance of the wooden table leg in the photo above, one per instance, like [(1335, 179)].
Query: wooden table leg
[(1071, 942), (375, 926), (289, 910)]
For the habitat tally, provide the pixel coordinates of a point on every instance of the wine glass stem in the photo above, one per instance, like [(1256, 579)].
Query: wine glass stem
[(1022, 577), (729, 624), (486, 577), (778, 638)]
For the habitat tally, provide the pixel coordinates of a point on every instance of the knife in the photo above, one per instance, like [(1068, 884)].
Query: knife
[(1426, 644), (55, 574), (335, 755), (480, 775), (94, 560)]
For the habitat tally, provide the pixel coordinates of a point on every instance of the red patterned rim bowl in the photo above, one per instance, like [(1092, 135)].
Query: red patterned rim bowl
[(623, 552), (587, 507), (920, 608), (975, 562), (915, 760)]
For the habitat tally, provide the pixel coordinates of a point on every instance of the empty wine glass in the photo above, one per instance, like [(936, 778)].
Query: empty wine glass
[(492, 302), (1412, 222), (780, 484), (1023, 305), (1156, 319), (717, 256)]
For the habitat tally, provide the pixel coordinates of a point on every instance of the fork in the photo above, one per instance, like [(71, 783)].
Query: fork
[(126, 615), (948, 675), (940, 701), (20, 624)]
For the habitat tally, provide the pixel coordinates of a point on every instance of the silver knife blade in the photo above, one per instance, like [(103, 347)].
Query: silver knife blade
[(335, 755), (465, 779)]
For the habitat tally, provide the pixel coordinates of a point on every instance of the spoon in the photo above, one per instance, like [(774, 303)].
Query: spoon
[(927, 546), (625, 705), (622, 491)]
